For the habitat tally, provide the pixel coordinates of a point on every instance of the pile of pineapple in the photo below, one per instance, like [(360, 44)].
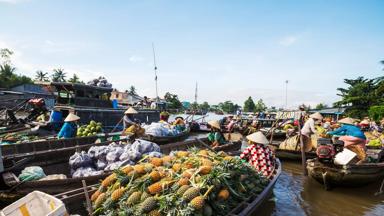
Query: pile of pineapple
[(194, 182)]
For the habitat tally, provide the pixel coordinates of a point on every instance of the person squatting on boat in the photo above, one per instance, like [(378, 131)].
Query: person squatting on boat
[(179, 124), (128, 119), (216, 137), (258, 154), (69, 128), (352, 136)]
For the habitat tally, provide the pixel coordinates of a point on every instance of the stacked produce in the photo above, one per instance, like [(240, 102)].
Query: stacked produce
[(17, 137), (161, 129), (90, 130), (195, 182), (100, 159)]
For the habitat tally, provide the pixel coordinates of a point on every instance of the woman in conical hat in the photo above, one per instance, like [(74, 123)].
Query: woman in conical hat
[(258, 154), (353, 138), (309, 129), (69, 127), (216, 136), (128, 119)]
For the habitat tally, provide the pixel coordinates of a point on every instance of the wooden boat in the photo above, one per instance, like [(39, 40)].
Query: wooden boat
[(40, 153), (160, 140), (201, 127), (349, 175), (12, 188), (252, 205), (290, 154)]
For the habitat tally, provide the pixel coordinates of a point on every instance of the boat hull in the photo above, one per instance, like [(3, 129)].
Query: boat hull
[(350, 175)]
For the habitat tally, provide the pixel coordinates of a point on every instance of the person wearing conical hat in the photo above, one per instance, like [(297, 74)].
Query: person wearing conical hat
[(354, 139), (258, 154), (309, 129), (216, 137), (69, 127), (128, 119), (164, 116), (364, 125)]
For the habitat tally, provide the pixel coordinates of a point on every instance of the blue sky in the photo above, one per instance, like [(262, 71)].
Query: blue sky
[(233, 49)]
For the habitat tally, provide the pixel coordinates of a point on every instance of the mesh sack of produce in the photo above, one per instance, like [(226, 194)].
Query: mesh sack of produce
[(81, 159), (195, 182), (291, 143), (32, 173), (144, 146)]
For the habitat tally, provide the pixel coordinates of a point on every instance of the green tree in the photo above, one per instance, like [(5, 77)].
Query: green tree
[(321, 106), (360, 95), (376, 112), (41, 76), (173, 101), (260, 106), (228, 107), (58, 75), (194, 106), (132, 90), (5, 55), (75, 79), (8, 78), (204, 106), (249, 105)]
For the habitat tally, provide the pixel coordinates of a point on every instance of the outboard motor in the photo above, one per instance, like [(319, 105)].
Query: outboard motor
[(325, 150)]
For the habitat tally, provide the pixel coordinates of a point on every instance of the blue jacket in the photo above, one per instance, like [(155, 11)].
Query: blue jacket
[(68, 130), (349, 130)]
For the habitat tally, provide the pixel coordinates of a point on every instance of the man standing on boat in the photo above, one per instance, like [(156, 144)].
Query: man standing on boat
[(128, 119), (69, 128)]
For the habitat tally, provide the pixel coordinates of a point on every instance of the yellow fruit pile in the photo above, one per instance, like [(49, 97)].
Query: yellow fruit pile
[(195, 182)]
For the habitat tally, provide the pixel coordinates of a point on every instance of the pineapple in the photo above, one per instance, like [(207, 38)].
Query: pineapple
[(144, 196), (154, 213), (167, 159), (187, 173), (148, 204), (155, 176), (134, 198), (182, 154), (156, 162), (188, 165), (204, 170), (127, 169), (109, 180), (140, 169), (223, 194), (203, 152), (197, 202), (95, 195), (176, 167), (182, 189), (183, 181), (228, 158), (100, 199), (155, 188), (206, 162), (117, 194), (191, 193)]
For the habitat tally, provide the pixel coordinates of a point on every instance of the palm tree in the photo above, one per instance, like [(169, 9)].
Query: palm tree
[(58, 75), (41, 76), (74, 79), (132, 90), (6, 74)]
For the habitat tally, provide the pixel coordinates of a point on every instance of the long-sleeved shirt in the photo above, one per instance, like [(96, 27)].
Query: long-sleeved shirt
[(68, 130), (309, 127), (348, 130), (127, 122)]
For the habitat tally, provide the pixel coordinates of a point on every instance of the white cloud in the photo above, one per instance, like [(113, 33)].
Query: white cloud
[(288, 40), (136, 58), (13, 1)]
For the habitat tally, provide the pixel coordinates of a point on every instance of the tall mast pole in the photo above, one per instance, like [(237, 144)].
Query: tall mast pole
[(286, 94), (155, 68), (196, 93)]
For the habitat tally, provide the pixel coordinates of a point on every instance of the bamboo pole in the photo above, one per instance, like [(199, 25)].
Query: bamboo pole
[(303, 159), (88, 201)]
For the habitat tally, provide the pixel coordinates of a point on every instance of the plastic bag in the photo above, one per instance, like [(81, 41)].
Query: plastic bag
[(81, 159), (32, 173), (101, 164), (144, 146), (114, 154), (155, 154), (85, 172), (130, 154), (54, 177)]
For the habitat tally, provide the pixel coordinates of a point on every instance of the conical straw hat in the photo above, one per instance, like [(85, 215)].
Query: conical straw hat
[(214, 124), (346, 121), (316, 115), (365, 121), (71, 117), (258, 137), (130, 111)]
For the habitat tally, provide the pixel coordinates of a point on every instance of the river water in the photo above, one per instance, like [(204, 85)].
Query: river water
[(296, 194)]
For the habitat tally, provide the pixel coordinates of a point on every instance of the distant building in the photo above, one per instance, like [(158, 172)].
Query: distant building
[(334, 113), (125, 98)]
